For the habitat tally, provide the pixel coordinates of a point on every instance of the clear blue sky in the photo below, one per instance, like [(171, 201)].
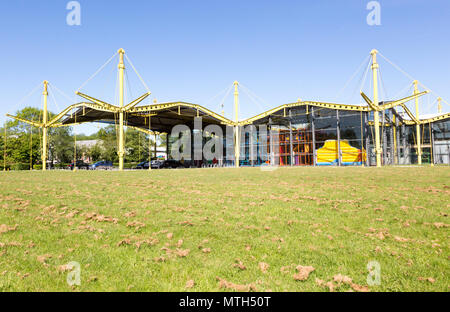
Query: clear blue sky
[(191, 50)]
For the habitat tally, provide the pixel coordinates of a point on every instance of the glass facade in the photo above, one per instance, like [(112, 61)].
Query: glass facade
[(319, 136), (327, 137), (441, 142)]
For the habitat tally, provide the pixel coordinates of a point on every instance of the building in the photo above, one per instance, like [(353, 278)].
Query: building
[(304, 133)]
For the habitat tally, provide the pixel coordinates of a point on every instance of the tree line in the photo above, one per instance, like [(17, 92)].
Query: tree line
[(24, 144)]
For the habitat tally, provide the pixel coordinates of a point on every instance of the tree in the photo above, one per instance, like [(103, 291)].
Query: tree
[(23, 142), (61, 144), (137, 145), (109, 139), (95, 152)]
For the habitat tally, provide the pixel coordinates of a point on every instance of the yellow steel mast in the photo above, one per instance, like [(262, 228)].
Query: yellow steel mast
[(236, 119), (419, 147), (376, 115), (439, 105), (44, 128), (121, 103)]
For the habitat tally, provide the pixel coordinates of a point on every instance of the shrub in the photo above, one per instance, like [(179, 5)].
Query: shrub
[(37, 167), (20, 166)]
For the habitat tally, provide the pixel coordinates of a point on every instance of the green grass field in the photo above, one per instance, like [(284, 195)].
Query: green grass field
[(226, 229)]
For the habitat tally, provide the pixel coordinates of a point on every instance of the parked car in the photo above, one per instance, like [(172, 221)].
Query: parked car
[(157, 164), (171, 163), (102, 165), (142, 165), (79, 165)]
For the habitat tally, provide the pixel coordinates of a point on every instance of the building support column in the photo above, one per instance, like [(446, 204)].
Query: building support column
[(237, 143), (44, 128), (376, 116), (121, 68)]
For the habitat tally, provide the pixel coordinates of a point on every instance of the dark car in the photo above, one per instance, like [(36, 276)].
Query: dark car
[(142, 165), (157, 164), (171, 163), (102, 165), (79, 165)]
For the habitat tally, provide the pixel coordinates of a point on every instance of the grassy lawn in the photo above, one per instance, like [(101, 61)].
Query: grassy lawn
[(226, 229)]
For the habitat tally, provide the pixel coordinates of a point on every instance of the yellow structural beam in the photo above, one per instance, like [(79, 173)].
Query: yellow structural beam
[(434, 119), (112, 108), (146, 131), (136, 102), (376, 118), (162, 106), (415, 121), (347, 107), (369, 102), (121, 68), (335, 106), (401, 101), (392, 104), (73, 106), (237, 147), (44, 128), (33, 123), (104, 105)]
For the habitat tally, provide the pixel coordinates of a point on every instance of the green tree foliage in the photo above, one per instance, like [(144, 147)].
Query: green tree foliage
[(109, 143), (61, 144), (24, 143), (95, 152), (137, 146)]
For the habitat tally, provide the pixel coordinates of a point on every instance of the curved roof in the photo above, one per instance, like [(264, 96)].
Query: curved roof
[(163, 117)]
